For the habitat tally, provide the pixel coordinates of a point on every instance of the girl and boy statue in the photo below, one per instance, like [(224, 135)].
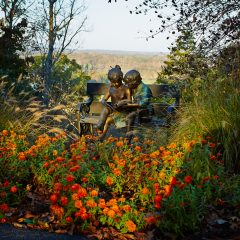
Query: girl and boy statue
[(130, 100)]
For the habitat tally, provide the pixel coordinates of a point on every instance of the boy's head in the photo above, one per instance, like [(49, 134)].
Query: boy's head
[(115, 75), (132, 79)]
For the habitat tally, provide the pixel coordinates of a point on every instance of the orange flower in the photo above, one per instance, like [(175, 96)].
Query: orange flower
[(4, 132), (172, 145), (94, 193), (154, 154), (138, 148), (59, 211), (78, 204), (111, 213), (75, 196), (91, 203), (109, 181), (126, 208), (82, 192), (101, 203), (117, 172), (112, 202), (168, 190), (115, 208), (162, 175), (145, 191), (135, 139), (131, 226), (119, 143)]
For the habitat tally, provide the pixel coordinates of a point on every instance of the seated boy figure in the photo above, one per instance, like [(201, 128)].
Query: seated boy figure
[(120, 96), (141, 94)]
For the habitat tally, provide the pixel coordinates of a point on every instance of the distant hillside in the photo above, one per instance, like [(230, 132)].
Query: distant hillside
[(98, 62)]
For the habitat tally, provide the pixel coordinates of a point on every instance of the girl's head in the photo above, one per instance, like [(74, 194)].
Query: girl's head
[(115, 76)]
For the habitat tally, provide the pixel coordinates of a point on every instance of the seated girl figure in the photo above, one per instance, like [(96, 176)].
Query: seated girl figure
[(120, 96)]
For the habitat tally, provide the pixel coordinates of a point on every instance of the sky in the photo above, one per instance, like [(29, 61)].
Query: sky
[(112, 27)]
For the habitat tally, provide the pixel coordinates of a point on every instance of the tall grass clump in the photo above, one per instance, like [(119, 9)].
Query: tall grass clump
[(214, 112)]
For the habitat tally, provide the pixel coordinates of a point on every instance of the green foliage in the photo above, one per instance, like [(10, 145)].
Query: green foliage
[(68, 80), (214, 111), (184, 67)]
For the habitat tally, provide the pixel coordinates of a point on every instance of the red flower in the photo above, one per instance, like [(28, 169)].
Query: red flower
[(70, 178), (3, 220), (158, 198), (188, 179), (14, 189), (173, 181), (4, 207), (6, 183), (69, 219), (53, 198), (64, 201)]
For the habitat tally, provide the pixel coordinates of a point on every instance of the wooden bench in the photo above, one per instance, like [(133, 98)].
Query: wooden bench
[(165, 101)]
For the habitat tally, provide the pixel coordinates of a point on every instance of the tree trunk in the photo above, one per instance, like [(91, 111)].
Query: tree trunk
[(49, 60)]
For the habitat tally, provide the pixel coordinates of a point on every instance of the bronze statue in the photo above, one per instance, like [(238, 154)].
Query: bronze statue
[(120, 96), (141, 95)]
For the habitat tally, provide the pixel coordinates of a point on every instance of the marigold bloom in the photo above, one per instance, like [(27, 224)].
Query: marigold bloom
[(78, 204), (75, 187), (69, 219), (101, 203), (168, 190), (115, 208), (138, 148), (59, 211), (75, 196), (111, 213), (105, 211), (112, 202), (109, 181), (135, 139), (212, 145), (58, 186), (82, 192), (150, 219), (64, 200), (188, 179), (119, 143), (94, 193), (59, 159), (70, 178), (21, 156), (53, 198), (4, 207), (145, 191), (117, 172), (131, 226), (13, 189), (91, 203), (172, 181), (126, 208), (4, 132)]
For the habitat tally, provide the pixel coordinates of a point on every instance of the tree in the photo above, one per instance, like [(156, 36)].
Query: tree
[(215, 23), (12, 38), (54, 32)]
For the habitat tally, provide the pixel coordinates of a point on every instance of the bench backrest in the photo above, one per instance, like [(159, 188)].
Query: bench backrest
[(158, 91)]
